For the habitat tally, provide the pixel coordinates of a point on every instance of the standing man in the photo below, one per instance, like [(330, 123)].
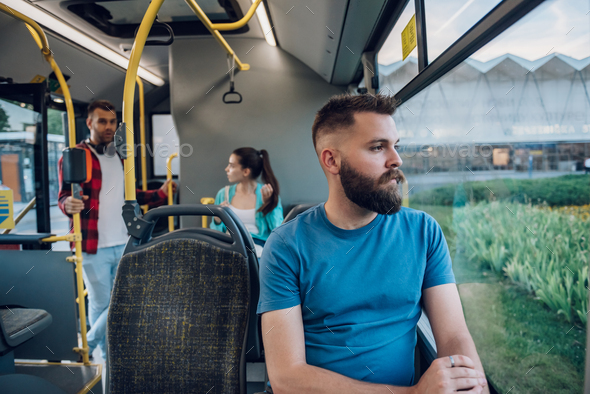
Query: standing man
[(342, 286), (103, 230)]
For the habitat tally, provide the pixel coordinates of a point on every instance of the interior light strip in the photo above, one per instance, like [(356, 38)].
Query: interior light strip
[(265, 25), (54, 24)]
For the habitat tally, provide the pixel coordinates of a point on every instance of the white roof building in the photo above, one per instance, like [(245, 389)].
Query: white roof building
[(502, 101)]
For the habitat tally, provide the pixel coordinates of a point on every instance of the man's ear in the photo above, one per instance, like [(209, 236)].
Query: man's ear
[(330, 159), (89, 123)]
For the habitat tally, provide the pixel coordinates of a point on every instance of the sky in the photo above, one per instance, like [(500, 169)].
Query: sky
[(555, 26)]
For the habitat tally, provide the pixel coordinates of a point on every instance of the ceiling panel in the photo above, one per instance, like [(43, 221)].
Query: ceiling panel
[(90, 77), (310, 31)]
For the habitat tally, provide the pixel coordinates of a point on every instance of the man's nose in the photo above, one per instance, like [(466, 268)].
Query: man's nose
[(394, 160)]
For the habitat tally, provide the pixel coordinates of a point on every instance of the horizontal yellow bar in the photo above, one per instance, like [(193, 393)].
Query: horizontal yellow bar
[(238, 24), (224, 26), (69, 237)]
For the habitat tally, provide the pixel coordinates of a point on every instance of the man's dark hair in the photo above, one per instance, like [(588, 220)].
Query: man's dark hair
[(338, 112), (105, 105)]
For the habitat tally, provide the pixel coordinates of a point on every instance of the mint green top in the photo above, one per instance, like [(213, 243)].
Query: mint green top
[(264, 223)]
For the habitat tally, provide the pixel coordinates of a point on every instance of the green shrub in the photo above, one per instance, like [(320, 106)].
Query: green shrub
[(545, 252), (557, 191)]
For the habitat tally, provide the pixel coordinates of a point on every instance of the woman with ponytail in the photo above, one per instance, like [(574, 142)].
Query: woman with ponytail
[(257, 205)]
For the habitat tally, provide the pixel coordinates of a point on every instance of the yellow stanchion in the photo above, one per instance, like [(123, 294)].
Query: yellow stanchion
[(170, 194), (41, 40), (214, 28), (142, 139), (129, 93), (405, 195), (206, 200)]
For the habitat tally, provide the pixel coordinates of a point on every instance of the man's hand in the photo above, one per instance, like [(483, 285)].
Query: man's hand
[(73, 205), (441, 378), (164, 187), (266, 192)]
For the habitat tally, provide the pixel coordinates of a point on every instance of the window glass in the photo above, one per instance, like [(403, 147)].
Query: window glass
[(497, 152), (165, 138), (446, 21), (18, 123), (395, 73)]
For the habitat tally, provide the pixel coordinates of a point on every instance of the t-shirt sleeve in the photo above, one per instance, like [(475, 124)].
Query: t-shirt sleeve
[(279, 276), (439, 270)]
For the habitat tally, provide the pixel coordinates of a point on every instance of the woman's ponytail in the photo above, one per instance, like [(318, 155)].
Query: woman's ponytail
[(269, 177)]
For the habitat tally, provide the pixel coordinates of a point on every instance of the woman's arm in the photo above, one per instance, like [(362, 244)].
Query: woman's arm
[(275, 217)]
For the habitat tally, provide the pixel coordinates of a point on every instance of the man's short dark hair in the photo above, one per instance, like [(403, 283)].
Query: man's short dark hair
[(338, 112), (105, 105)]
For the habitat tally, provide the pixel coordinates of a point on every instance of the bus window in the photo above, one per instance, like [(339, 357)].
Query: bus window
[(18, 122), (495, 151), (449, 20), (165, 143), (394, 71)]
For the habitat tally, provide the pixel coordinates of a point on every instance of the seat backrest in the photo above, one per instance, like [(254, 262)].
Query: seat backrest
[(254, 342), (180, 308), (297, 210), (178, 319)]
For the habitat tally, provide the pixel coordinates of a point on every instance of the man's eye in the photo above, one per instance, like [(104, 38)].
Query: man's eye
[(377, 148), (396, 147)]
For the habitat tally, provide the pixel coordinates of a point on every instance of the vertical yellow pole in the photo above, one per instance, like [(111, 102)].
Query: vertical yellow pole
[(142, 139), (206, 200), (129, 94), (41, 40), (170, 194), (405, 195)]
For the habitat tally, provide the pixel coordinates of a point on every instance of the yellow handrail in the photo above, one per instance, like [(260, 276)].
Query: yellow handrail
[(41, 40), (206, 200), (21, 214), (129, 93), (131, 75), (238, 24), (170, 194), (214, 28), (142, 139)]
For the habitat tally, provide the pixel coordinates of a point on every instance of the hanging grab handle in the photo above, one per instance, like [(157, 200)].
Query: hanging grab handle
[(232, 97), (157, 23)]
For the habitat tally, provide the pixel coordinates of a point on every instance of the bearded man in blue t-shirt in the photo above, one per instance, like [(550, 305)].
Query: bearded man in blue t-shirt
[(344, 283)]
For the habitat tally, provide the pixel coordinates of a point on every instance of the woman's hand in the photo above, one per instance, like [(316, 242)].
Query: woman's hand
[(215, 218), (266, 192)]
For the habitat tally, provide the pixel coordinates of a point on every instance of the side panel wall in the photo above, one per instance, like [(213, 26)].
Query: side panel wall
[(280, 98)]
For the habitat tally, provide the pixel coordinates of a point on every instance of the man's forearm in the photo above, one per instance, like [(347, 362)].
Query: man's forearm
[(310, 379), (464, 345)]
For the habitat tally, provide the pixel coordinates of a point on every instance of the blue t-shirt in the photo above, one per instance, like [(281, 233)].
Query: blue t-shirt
[(359, 290)]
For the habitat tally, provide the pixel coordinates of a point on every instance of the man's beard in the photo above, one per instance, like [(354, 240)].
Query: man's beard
[(376, 195)]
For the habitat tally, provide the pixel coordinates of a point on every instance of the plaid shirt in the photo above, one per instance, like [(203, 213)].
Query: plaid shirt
[(89, 216)]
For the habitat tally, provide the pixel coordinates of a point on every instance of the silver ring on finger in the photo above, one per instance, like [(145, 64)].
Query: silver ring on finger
[(452, 362)]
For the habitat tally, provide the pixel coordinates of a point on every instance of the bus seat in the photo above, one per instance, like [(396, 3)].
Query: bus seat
[(18, 325), (179, 312), (297, 210)]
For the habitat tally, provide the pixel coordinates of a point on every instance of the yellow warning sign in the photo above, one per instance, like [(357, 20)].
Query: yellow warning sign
[(409, 37), (38, 79), (6, 212)]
